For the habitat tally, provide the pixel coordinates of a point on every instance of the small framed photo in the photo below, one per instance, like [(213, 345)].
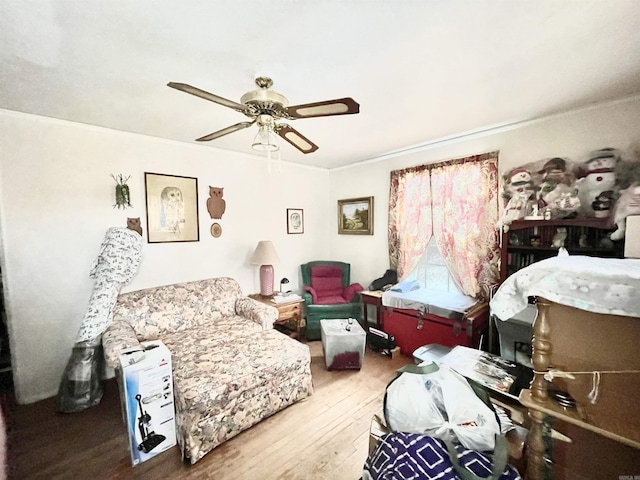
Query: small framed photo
[(355, 216), (172, 208), (295, 220)]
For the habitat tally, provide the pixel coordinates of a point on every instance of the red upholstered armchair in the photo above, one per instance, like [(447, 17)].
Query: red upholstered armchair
[(328, 294)]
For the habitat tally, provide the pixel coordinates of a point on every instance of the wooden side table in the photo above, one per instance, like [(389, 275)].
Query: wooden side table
[(288, 313), (372, 298)]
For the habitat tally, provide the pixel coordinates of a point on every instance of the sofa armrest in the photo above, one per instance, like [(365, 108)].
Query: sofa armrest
[(117, 337), (308, 298), (258, 312), (351, 292), (311, 292)]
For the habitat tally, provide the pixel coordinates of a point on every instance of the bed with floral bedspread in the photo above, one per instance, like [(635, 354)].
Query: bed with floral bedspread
[(231, 369)]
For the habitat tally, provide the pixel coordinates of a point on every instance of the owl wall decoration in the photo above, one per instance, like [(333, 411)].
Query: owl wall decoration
[(134, 224), (216, 205)]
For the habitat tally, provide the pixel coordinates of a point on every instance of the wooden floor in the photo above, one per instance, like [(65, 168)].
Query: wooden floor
[(323, 437)]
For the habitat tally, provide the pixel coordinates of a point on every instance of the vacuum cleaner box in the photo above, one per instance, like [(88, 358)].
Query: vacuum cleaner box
[(147, 389)]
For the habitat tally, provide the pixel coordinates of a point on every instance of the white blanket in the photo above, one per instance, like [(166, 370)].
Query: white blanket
[(601, 285), (421, 300)]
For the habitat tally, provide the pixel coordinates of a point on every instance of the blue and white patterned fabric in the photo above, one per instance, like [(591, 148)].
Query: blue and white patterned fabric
[(405, 456)]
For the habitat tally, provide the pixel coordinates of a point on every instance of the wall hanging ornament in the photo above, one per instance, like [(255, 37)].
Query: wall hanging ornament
[(216, 230), (216, 205), (123, 199)]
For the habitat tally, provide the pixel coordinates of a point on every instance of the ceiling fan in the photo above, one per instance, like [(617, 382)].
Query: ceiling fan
[(265, 107)]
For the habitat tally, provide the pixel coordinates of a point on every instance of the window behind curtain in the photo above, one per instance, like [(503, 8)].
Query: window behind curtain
[(432, 272)]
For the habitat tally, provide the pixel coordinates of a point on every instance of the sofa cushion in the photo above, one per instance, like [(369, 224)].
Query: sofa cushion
[(326, 280), (330, 300), (153, 312), (215, 365)]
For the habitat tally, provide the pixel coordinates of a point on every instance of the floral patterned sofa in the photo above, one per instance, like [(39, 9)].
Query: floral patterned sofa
[(231, 369)]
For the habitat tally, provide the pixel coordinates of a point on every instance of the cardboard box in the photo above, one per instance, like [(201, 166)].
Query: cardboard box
[(147, 390)]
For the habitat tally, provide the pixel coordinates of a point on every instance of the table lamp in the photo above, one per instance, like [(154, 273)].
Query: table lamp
[(265, 256)]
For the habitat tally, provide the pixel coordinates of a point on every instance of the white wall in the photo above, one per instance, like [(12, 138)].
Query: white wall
[(56, 203), (572, 135)]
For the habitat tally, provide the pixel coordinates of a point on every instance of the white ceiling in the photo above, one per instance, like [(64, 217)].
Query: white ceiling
[(422, 70)]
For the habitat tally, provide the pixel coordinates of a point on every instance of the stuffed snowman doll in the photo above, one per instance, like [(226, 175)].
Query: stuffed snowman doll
[(517, 190), (518, 184), (599, 176)]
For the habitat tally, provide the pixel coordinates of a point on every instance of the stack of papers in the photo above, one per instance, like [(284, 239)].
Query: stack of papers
[(291, 297), (489, 370)]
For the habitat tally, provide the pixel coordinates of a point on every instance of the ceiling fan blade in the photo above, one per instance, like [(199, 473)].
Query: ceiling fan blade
[(183, 87), (296, 139), (341, 106), (225, 131)]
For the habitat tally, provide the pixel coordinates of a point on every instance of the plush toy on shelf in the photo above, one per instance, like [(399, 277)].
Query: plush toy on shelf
[(628, 204), (518, 183), (598, 175), (602, 204), (554, 172), (558, 239), (563, 202)]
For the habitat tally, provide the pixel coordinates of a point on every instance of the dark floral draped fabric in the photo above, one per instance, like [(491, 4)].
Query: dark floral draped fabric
[(456, 202)]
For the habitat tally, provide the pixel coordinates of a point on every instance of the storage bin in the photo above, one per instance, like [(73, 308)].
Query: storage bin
[(343, 343), (413, 329)]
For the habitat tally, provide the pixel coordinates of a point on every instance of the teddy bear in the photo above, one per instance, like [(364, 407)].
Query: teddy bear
[(559, 238)]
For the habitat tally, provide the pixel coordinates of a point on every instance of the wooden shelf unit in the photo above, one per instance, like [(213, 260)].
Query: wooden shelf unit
[(513, 256)]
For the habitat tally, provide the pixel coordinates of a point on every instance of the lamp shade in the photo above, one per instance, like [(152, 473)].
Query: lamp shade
[(265, 254)]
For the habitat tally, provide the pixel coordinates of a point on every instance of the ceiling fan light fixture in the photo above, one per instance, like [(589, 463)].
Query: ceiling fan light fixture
[(265, 140)]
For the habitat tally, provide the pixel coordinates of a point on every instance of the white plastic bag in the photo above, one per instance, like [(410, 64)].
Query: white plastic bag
[(438, 402)]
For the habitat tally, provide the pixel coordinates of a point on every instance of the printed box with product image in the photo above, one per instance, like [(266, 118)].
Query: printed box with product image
[(147, 389)]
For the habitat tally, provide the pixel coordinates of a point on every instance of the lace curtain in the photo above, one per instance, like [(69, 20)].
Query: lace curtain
[(456, 202)]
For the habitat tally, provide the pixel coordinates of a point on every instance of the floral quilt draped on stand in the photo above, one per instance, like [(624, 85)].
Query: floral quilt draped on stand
[(117, 263)]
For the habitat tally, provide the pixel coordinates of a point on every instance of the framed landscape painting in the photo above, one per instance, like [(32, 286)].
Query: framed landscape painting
[(172, 208), (355, 216)]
